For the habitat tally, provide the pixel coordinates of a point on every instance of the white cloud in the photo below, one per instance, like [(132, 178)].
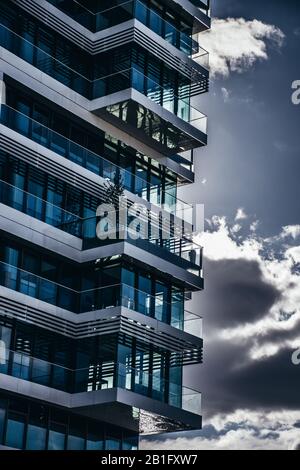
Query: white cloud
[(277, 267), (236, 44), (225, 94), (241, 430), (291, 231), (254, 225), (259, 341), (241, 214)]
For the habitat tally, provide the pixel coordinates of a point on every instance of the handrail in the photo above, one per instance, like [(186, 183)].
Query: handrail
[(117, 14), (7, 115), (167, 99), (79, 226), (89, 379), (91, 299), (93, 89)]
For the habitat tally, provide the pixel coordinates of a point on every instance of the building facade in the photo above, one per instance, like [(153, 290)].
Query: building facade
[(95, 333)]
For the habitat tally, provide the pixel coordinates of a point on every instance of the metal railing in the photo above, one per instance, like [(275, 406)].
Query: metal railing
[(163, 96), (109, 17), (86, 228), (95, 163), (102, 86), (26, 367), (116, 295)]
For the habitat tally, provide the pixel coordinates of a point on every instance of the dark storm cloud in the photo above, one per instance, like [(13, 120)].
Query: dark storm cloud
[(273, 383), (235, 293), (279, 336), (230, 381)]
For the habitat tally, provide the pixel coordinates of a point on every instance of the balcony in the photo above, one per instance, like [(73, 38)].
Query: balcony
[(127, 98), (95, 163), (133, 9), (91, 379), (189, 253), (132, 101), (197, 11), (117, 295)]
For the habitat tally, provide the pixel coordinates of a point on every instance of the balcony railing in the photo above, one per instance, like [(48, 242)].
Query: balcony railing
[(163, 96), (95, 163), (116, 295), (86, 228), (89, 379), (203, 5), (102, 86), (128, 10)]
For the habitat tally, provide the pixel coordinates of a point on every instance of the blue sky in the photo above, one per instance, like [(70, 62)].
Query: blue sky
[(247, 178), (253, 155)]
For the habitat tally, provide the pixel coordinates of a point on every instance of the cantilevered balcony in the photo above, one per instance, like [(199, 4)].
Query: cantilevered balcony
[(133, 183), (94, 388), (108, 297), (32, 369), (128, 98), (112, 16), (97, 19), (132, 101), (189, 253)]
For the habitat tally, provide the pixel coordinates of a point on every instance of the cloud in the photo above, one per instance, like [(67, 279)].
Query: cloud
[(297, 31), (251, 310), (241, 430), (225, 94), (241, 214), (291, 231), (236, 44)]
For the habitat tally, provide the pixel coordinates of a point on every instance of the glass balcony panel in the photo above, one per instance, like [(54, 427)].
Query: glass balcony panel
[(191, 401), (101, 298), (139, 379), (36, 437), (93, 162), (21, 366), (41, 372), (109, 17)]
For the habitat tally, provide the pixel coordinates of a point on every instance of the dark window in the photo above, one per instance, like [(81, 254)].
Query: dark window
[(15, 431)]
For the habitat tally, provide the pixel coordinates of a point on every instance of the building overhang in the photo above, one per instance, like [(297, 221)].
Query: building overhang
[(193, 13), (91, 41), (62, 96), (57, 241), (146, 120), (186, 347), (114, 406)]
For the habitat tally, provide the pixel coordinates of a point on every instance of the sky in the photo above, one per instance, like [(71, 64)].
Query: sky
[(247, 178)]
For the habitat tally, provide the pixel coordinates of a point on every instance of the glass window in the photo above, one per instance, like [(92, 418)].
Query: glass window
[(95, 438), (175, 386), (177, 309), (57, 437), (21, 120), (141, 185), (144, 295), (3, 406), (21, 366), (158, 382), (112, 444), (131, 443), (76, 438), (36, 437), (142, 373), (15, 431), (161, 298)]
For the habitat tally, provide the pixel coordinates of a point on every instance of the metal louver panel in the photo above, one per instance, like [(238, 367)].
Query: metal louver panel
[(183, 350)]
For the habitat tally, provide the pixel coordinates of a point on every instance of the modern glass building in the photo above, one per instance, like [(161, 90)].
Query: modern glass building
[(95, 334)]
